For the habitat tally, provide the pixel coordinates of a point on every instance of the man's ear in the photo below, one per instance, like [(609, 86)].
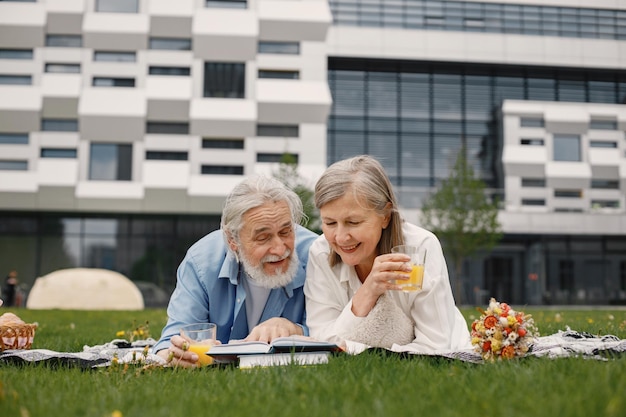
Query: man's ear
[(232, 244)]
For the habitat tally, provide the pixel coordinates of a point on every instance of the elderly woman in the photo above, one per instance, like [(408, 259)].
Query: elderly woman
[(351, 295)]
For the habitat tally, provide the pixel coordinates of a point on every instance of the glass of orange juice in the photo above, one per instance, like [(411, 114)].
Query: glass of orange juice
[(201, 336), (416, 276)]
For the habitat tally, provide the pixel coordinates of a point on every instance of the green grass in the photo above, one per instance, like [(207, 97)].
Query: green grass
[(370, 384)]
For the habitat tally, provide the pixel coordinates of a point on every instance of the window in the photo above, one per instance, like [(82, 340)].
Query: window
[(168, 128), (291, 48), (16, 54), (531, 122), (605, 184), (533, 202), (59, 125), (63, 68), (605, 203), (566, 148), (283, 75), (185, 71), (13, 138), (226, 4), (603, 124), (566, 274), (58, 153), (222, 143), (117, 6), (533, 182), (16, 79), (113, 82), (567, 210), (111, 56), (568, 193), (277, 130), (13, 165), (532, 142), (171, 44), (602, 144), (64, 41), (222, 170), (110, 162), (276, 157), (226, 80), (166, 155)]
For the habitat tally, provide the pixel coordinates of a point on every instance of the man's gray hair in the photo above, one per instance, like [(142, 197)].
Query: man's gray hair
[(253, 192)]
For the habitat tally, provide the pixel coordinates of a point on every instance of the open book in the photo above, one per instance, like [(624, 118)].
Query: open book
[(289, 344)]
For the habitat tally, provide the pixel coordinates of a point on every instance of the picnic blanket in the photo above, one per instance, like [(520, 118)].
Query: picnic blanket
[(567, 343)]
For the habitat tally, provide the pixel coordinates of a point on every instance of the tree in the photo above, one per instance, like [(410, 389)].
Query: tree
[(463, 217), (288, 175)]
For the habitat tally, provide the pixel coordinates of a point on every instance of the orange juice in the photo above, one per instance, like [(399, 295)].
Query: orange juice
[(416, 278), (201, 350)]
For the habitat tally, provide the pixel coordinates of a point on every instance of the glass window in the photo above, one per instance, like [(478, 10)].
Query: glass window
[(58, 153), (602, 144), (605, 203), (16, 54), (110, 162), (113, 82), (64, 41), (532, 122), (566, 148), (117, 6), (13, 138), (568, 193), (224, 79), (532, 142), (533, 182), (222, 170), (166, 155), (16, 79), (111, 56), (276, 157), (63, 68), (6, 165), (603, 124), (533, 202), (59, 125), (266, 47), (285, 75), (168, 128), (222, 143), (184, 71), (605, 184), (226, 4), (277, 130), (172, 44)]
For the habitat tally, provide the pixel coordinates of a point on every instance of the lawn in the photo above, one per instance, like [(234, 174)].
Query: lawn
[(370, 384)]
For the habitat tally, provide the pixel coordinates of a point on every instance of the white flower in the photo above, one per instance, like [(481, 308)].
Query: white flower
[(504, 322), (512, 337)]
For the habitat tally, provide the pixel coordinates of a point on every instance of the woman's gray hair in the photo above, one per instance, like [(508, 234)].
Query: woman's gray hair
[(365, 178), (253, 192)]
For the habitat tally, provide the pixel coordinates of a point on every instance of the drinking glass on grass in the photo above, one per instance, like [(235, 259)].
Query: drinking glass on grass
[(201, 336), (416, 276)]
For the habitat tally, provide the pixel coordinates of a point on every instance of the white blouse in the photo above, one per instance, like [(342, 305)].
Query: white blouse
[(436, 322)]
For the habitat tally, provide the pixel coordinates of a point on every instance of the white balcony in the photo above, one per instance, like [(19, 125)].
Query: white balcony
[(290, 101), (605, 163), (112, 114), (166, 174), (524, 161), (568, 175), (22, 25), (65, 16), (306, 20), (225, 35), (115, 31), (57, 172), (223, 117), (168, 97), (171, 18), (115, 196), (60, 94), (20, 108)]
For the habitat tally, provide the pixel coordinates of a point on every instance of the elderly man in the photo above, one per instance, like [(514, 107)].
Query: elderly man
[(247, 277)]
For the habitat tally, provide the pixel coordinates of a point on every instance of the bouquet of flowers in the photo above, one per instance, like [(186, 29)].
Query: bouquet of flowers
[(502, 333)]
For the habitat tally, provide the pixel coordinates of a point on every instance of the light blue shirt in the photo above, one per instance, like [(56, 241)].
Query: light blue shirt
[(208, 290)]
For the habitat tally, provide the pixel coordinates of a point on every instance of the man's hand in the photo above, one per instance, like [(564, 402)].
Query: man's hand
[(273, 328), (177, 354)]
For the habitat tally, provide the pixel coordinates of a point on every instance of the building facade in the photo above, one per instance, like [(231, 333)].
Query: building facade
[(123, 125)]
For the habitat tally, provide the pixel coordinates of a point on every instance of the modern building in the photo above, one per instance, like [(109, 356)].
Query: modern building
[(123, 125)]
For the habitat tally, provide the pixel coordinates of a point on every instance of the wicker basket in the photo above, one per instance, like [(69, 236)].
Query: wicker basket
[(17, 336)]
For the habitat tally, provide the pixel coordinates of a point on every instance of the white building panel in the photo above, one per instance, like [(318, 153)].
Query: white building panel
[(22, 25), (223, 117), (115, 31), (294, 20), (57, 172), (171, 18), (288, 101), (65, 16), (166, 174), (60, 94), (20, 108), (225, 35), (605, 163), (568, 175), (168, 97)]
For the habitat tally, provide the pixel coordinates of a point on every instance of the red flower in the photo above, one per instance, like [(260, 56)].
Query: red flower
[(487, 346), (490, 321), (521, 332), (508, 352)]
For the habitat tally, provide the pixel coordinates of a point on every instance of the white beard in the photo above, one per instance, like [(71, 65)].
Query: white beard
[(280, 279)]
